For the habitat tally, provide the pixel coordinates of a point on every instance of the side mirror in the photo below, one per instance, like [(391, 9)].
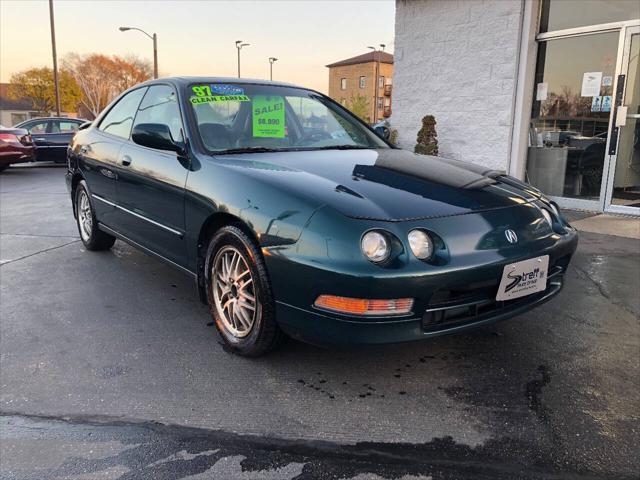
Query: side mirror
[(155, 135), (382, 131)]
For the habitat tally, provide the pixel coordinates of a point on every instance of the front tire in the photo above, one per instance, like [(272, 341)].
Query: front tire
[(92, 237), (239, 294)]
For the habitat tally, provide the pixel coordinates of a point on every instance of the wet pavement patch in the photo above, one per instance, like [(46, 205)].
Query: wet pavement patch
[(162, 452)]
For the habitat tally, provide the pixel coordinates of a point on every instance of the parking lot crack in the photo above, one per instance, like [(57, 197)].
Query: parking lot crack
[(37, 235), (602, 291), (38, 253)]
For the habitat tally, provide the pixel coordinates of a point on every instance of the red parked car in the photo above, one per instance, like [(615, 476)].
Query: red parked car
[(16, 146)]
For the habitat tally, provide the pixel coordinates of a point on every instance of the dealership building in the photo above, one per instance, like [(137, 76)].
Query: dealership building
[(547, 90)]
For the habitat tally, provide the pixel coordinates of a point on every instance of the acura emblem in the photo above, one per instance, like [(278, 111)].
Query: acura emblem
[(511, 236)]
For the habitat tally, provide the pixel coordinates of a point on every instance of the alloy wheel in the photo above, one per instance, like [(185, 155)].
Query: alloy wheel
[(234, 292), (85, 217)]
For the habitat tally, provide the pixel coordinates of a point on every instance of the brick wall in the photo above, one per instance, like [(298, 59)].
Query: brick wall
[(457, 60), (353, 73)]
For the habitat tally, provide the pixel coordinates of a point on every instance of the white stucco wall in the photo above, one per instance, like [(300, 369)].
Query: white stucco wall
[(458, 60)]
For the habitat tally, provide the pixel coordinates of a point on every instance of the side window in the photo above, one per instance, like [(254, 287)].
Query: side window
[(119, 120), (64, 127), (37, 128), (160, 105)]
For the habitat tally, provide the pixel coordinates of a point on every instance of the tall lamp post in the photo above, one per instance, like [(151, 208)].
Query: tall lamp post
[(239, 46), (153, 37), (272, 60), (56, 82), (376, 86)]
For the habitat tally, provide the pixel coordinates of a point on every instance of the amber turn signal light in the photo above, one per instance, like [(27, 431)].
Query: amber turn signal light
[(363, 306)]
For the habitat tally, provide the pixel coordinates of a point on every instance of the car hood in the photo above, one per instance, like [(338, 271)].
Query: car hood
[(385, 184)]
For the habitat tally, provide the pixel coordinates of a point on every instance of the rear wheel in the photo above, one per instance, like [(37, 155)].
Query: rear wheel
[(92, 237), (239, 293)]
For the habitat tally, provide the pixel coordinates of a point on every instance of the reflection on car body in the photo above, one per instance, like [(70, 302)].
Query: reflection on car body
[(51, 136)]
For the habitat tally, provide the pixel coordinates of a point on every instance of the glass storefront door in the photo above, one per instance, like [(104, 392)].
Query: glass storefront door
[(571, 112), (623, 187)]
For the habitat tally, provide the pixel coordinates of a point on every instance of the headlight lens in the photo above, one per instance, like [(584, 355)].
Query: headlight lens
[(375, 246), (547, 217), (421, 244)]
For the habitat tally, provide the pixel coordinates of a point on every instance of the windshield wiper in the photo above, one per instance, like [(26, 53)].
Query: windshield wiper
[(249, 150), (343, 147), (290, 149)]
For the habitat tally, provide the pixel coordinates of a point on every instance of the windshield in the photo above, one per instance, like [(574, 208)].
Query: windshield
[(257, 118)]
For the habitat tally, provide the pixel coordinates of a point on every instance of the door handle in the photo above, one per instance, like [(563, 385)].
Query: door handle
[(40, 139), (126, 160)]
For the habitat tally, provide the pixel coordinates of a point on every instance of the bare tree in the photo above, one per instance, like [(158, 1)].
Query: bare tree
[(102, 78)]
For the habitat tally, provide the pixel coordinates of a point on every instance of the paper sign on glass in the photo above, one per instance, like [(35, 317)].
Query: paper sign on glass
[(541, 91), (268, 117), (591, 84)]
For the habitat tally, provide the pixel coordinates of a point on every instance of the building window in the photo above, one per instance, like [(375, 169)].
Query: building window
[(561, 14), (17, 118), (380, 103), (380, 81), (389, 81), (343, 84), (362, 82), (387, 102)]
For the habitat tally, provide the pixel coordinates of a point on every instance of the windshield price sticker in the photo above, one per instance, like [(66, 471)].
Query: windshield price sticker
[(219, 98), (217, 93), (268, 117)]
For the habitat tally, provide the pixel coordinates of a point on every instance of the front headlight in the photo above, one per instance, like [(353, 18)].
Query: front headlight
[(421, 244), (375, 246)]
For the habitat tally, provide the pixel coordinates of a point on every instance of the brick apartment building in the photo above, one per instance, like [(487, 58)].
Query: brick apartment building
[(355, 76)]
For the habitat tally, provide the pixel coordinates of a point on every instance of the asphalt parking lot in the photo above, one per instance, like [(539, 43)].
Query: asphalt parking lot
[(110, 368)]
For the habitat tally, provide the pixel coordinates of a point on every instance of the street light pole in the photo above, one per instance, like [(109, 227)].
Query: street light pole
[(56, 83), (272, 60), (239, 46), (153, 37), (375, 84), (155, 56)]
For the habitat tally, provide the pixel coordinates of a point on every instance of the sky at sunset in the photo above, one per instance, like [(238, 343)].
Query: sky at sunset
[(197, 37)]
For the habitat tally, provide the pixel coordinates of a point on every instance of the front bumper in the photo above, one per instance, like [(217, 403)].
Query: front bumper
[(448, 299), (321, 328)]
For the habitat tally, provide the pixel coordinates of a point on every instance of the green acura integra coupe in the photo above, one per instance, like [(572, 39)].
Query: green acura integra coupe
[(294, 217)]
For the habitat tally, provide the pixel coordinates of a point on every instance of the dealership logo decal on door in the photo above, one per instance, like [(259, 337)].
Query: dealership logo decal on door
[(523, 278)]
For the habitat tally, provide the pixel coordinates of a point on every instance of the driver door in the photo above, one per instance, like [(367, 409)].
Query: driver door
[(150, 185)]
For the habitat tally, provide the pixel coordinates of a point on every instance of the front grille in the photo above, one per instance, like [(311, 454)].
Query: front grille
[(457, 306)]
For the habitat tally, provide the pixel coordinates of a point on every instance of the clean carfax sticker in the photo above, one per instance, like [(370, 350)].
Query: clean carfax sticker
[(268, 116), (217, 93)]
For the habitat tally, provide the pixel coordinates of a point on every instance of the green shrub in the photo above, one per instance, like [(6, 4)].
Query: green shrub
[(427, 139)]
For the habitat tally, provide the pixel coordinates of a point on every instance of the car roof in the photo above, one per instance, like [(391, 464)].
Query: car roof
[(71, 119), (181, 81)]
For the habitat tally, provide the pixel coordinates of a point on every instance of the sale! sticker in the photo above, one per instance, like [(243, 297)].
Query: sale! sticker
[(268, 116)]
